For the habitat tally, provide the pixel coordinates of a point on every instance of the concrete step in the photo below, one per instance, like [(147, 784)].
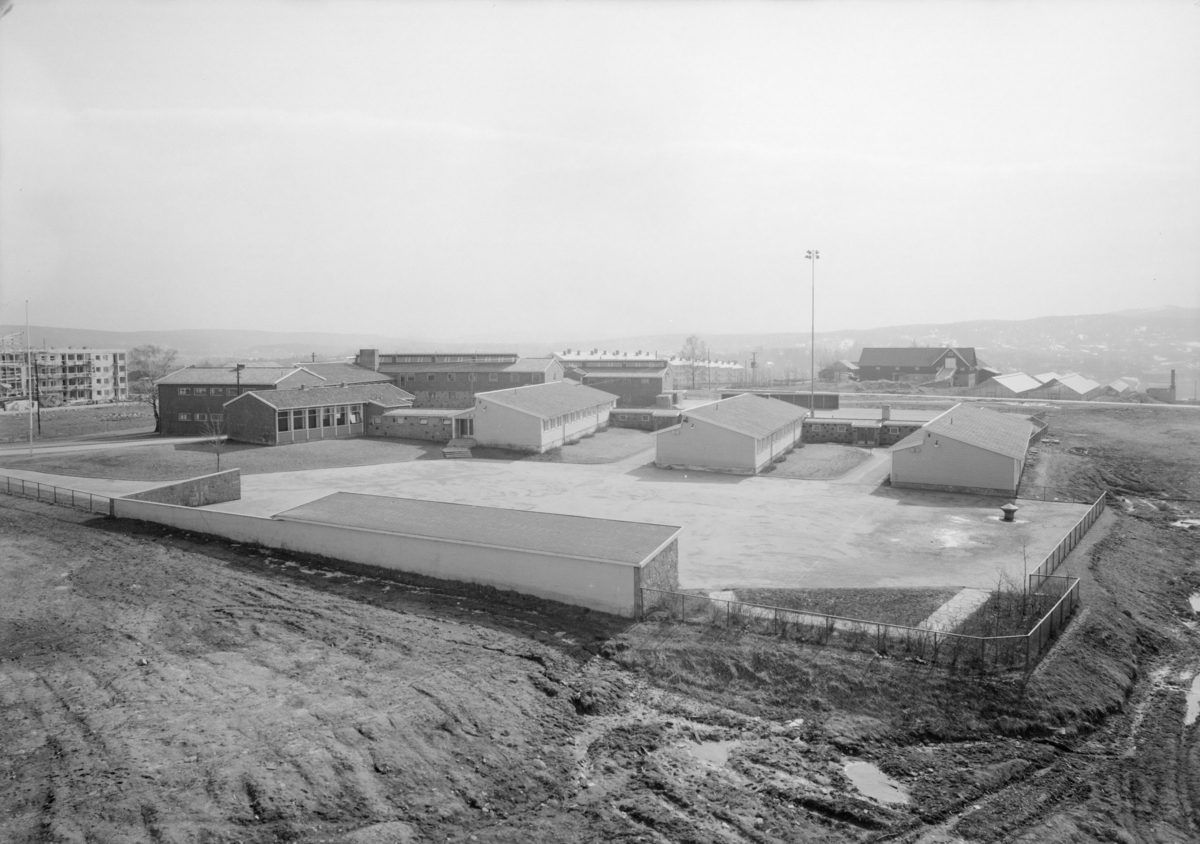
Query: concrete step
[(455, 453), (461, 442)]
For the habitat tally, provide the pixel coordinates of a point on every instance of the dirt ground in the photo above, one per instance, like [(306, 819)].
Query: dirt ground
[(164, 687)]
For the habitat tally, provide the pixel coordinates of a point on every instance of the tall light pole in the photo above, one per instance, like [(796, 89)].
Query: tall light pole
[(813, 256)]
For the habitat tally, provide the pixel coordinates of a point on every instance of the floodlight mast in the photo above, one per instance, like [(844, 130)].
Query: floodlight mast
[(813, 256)]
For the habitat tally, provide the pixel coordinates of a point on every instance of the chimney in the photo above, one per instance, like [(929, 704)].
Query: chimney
[(1172, 379), (885, 413), (368, 358)]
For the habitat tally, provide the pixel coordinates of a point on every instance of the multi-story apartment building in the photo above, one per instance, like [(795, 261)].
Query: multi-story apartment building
[(67, 375)]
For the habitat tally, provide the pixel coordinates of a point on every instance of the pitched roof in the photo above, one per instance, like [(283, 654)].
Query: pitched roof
[(748, 414), (383, 394), (1002, 433), (610, 540), (530, 365), (229, 375), (1018, 382), (1047, 377), (911, 355), (546, 400), (602, 374), (1078, 383), (346, 373)]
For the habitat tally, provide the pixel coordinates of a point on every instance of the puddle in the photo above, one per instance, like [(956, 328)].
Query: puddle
[(1193, 702), (1186, 523), (874, 783), (1194, 600), (716, 752)]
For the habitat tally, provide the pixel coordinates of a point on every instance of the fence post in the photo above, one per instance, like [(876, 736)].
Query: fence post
[(682, 612), (775, 623)]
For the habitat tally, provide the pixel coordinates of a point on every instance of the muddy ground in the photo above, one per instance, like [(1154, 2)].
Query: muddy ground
[(163, 687)]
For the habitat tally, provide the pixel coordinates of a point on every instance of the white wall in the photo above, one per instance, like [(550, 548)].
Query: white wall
[(607, 587), (697, 444), (952, 463), (503, 427)]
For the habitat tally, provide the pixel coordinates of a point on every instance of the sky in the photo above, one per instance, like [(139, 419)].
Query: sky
[(531, 170)]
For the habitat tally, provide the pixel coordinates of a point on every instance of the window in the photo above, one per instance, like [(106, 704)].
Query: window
[(450, 376), (297, 420), (341, 416), (645, 418), (376, 420), (893, 430), (185, 417), (183, 391), (356, 414), (446, 421), (216, 417), (424, 421), (327, 417), (623, 417), (281, 421), (492, 376), (201, 417), (471, 376), (229, 391), (430, 377), (202, 391), (312, 417), (645, 380)]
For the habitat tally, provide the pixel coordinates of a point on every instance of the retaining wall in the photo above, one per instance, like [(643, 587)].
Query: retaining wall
[(196, 492)]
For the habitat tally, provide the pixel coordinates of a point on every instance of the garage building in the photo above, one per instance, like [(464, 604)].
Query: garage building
[(741, 435), (966, 449), (602, 564), (541, 416)]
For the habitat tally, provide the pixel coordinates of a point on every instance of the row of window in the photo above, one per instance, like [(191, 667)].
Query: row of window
[(624, 418), (200, 417), (493, 377), (568, 418), (318, 417), (206, 391), (786, 432), (423, 420)]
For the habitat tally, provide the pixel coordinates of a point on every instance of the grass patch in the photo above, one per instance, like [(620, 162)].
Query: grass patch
[(906, 607), (174, 462), (818, 461), (66, 422)]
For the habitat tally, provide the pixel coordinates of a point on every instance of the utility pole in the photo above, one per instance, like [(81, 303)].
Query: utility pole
[(813, 255), (29, 369)]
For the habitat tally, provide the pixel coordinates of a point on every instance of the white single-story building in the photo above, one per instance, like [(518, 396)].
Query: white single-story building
[(540, 417), (966, 449), (742, 434), (1010, 386), (1073, 387)]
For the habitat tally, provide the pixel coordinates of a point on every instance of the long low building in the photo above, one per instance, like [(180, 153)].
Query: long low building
[(865, 426), (541, 416), (602, 564), (966, 449), (277, 417), (742, 435)]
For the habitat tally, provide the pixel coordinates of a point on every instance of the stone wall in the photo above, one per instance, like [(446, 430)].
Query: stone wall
[(410, 428), (196, 492)]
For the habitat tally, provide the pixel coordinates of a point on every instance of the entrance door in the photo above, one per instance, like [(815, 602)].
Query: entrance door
[(464, 427)]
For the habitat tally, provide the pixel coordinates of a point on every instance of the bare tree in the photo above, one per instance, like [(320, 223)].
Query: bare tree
[(693, 354), (216, 434), (146, 365)]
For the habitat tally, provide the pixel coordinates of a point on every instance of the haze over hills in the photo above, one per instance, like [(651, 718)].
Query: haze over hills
[(1102, 346)]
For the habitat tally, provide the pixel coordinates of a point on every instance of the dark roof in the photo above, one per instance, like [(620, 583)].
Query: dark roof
[(748, 414), (346, 373), (520, 365), (229, 375), (385, 395), (546, 400), (602, 374), (1003, 433), (609, 540), (910, 355)]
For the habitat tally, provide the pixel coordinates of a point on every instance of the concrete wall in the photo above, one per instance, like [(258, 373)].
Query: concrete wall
[(696, 444), (607, 587), (196, 492), (952, 465)]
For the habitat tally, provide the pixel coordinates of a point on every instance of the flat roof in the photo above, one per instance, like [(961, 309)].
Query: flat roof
[(606, 540), (429, 411), (876, 414)]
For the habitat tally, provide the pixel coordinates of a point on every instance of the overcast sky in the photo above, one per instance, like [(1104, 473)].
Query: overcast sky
[(546, 170)]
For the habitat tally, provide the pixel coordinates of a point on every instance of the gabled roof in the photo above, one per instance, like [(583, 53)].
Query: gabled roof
[(346, 373), (1078, 384), (1002, 433), (610, 540), (1047, 377), (546, 401), (251, 375), (531, 365), (383, 394), (911, 355), (1018, 382), (748, 414)]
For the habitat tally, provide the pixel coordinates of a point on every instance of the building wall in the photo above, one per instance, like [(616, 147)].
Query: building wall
[(248, 421), (503, 427), (457, 389), (642, 420), (952, 464), (435, 428), (631, 392), (696, 444), (171, 404), (606, 587), (889, 433)]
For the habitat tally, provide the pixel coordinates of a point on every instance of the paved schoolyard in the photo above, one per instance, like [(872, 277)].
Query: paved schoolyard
[(738, 531)]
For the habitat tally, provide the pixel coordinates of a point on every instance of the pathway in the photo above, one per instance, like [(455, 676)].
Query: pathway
[(955, 611)]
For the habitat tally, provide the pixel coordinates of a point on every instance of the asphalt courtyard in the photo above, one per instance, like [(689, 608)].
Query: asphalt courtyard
[(739, 532)]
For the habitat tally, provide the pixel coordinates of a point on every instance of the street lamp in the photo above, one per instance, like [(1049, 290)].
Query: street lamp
[(813, 255)]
